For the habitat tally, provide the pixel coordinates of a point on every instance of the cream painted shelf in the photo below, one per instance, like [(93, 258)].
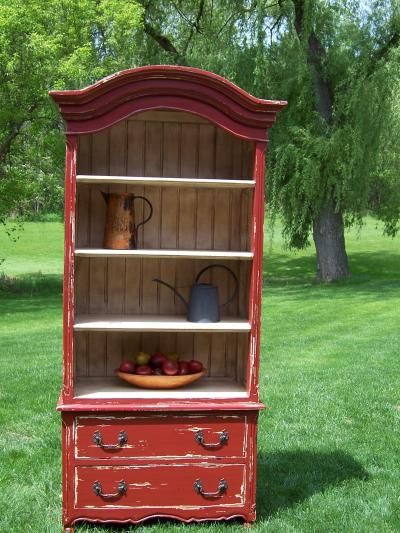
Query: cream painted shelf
[(156, 323), (113, 387), (165, 182), (163, 254)]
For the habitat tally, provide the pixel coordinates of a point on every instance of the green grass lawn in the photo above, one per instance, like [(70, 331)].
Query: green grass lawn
[(329, 440)]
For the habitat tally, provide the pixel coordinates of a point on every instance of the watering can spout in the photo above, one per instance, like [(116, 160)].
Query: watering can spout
[(182, 299)]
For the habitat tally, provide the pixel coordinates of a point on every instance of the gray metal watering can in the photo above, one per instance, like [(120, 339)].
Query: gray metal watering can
[(203, 305)]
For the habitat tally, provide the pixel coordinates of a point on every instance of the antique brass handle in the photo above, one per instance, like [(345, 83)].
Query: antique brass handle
[(222, 488), (223, 439), (97, 489), (122, 439)]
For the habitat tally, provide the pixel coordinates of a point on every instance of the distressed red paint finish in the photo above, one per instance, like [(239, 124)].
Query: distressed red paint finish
[(159, 485), (165, 470), (167, 87), (257, 246), (162, 436), (69, 261)]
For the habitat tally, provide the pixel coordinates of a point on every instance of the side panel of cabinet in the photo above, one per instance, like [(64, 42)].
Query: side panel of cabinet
[(69, 266)]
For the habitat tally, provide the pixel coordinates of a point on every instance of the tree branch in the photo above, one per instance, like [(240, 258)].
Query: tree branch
[(383, 52), (195, 26), (165, 43), (315, 55), (182, 14), (15, 130)]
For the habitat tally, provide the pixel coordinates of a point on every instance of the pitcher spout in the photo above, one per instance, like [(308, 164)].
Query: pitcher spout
[(106, 196)]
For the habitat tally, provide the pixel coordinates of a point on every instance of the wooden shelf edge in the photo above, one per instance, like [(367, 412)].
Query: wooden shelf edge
[(156, 323), (168, 181), (79, 405), (166, 254)]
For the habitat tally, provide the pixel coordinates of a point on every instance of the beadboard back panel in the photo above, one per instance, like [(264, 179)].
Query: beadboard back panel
[(169, 144), (120, 285)]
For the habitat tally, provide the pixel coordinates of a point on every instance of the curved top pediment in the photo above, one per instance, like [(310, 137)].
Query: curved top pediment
[(197, 91)]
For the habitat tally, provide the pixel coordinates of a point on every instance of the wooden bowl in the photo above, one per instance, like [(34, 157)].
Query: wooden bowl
[(160, 382)]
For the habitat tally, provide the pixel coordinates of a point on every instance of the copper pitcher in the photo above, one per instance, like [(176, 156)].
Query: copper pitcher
[(121, 231)]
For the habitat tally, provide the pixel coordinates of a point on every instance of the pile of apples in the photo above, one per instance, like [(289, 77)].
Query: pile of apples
[(160, 364)]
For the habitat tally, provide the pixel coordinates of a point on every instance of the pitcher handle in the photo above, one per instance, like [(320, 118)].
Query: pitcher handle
[(151, 210), (235, 290)]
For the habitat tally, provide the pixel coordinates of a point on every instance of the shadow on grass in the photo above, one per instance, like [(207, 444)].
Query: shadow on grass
[(33, 284), (372, 272), (286, 479)]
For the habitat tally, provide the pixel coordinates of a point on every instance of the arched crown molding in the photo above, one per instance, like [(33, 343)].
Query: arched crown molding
[(169, 87)]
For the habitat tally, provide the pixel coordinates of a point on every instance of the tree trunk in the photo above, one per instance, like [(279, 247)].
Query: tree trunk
[(328, 234), (328, 228)]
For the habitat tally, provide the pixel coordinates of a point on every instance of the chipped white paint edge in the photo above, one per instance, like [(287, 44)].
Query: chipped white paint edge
[(182, 507), (142, 417), (214, 466), (185, 418)]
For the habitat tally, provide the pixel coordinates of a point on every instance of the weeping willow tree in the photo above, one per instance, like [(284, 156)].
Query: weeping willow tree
[(333, 154), (338, 67)]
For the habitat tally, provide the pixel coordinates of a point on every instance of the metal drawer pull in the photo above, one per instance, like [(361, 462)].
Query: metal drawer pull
[(122, 488), (122, 439), (223, 439), (222, 488)]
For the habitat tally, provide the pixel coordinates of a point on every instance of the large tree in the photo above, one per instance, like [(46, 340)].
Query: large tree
[(338, 67), (336, 62)]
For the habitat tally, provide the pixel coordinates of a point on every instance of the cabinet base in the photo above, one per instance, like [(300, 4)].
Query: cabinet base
[(248, 520)]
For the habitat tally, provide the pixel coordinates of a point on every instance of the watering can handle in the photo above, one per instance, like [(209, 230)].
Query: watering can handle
[(151, 210), (236, 289)]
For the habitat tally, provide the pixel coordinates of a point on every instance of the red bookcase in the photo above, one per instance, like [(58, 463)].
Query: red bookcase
[(194, 145)]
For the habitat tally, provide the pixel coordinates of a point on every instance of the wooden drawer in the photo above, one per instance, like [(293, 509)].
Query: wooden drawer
[(176, 486), (160, 436)]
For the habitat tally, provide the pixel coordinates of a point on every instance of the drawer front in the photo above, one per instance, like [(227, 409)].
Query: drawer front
[(160, 436), (160, 486)]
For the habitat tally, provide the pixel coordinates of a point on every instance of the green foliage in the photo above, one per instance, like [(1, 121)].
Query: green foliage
[(67, 44), (350, 160)]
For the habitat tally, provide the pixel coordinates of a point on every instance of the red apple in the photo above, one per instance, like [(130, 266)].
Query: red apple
[(127, 366), (184, 369), (157, 360), (170, 368), (143, 370), (195, 366)]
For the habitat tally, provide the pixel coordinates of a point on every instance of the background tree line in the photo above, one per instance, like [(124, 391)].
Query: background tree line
[(333, 154)]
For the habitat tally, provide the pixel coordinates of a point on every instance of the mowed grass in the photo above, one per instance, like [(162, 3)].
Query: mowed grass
[(329, 440)]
